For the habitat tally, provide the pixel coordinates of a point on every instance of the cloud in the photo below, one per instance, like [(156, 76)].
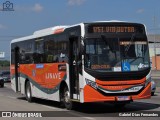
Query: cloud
[(2, 27), (75, 2), (139, 11), (37, 7), (34, 8)]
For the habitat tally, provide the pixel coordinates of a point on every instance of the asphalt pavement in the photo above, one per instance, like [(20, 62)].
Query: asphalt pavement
[(156, 77), (11, 101)]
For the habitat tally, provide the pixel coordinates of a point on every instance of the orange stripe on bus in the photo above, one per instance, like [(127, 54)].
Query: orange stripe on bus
[(116, 87), (49, 76), (60, 30), (126, 82), (146, 93), (92, 95)]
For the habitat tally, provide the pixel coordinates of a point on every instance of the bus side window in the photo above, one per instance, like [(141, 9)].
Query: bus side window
[(50, 58), (39, 51), (63, 58)]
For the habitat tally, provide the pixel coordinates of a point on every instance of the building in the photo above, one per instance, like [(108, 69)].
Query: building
[(154, 49)]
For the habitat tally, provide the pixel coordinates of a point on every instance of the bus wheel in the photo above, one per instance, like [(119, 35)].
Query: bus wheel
[(66, 99), (28, 92)]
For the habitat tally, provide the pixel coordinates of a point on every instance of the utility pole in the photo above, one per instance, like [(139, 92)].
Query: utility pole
[(155, 64)]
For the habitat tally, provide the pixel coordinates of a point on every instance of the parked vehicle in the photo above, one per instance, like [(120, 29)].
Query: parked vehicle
[(6, 76), (153, 87), (1, 82)]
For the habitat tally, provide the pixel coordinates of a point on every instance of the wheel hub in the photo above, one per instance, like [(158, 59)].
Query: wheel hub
[(28, 92), (67, 97)]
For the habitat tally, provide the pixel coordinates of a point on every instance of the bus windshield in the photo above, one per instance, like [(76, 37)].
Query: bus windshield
[(116, 54)]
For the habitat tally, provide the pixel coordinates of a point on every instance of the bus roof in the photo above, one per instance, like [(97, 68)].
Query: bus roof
[(58, 29), (41, 33)]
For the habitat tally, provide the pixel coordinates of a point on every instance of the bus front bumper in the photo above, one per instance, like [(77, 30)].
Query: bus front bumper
[(92, 95)]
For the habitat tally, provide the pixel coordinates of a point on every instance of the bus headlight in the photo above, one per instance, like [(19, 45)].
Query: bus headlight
[(148, 81), (91, 83)]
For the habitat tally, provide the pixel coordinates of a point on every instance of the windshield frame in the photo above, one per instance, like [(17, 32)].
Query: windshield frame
[(118, 37)]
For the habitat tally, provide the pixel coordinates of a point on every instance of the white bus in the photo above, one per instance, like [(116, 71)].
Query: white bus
[(104, 61)]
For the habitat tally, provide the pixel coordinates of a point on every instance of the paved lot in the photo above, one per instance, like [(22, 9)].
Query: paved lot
[(156, 78), (10, 101)]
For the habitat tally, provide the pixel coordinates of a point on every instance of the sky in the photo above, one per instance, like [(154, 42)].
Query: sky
[(31, 15)]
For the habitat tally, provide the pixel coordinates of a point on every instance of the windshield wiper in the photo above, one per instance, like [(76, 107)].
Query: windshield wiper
[(131, 40), (104, 39), (107, 42)]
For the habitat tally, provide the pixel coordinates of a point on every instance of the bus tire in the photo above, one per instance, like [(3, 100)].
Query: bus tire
[(28, 92), (66, 99)]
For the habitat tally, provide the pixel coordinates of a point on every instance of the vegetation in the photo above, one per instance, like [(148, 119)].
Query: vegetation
[(4, 65)]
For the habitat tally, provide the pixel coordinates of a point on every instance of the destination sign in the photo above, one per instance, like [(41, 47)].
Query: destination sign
[(114, 29)]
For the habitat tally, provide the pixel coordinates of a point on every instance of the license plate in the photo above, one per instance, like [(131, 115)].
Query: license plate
[(123, 98)]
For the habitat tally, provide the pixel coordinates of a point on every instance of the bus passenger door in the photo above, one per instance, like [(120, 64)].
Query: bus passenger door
[(17, 81), (74, 67)]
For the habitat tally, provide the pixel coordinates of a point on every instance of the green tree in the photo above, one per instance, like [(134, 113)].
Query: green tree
[(4, 63)]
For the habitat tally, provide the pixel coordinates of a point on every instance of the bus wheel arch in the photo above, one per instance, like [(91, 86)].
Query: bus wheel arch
[(65, 96), (28, 92)]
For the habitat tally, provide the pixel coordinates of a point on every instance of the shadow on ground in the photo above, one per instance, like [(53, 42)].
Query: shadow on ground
[(100, 109)]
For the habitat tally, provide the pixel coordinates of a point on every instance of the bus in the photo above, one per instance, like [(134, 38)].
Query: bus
[(103, 61)]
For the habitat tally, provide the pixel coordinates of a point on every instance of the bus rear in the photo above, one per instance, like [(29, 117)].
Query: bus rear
[(116, 62)]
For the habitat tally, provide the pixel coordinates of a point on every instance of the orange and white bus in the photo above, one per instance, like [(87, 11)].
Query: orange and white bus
[(105, 61)]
